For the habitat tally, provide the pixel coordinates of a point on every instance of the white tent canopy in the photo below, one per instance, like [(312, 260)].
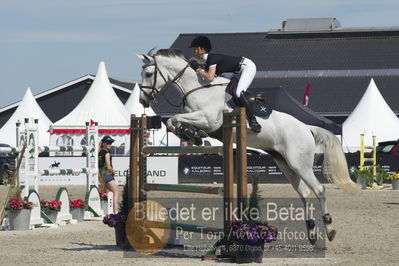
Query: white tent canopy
[(100, 104), (373, 117), (134, 106), (27, 108)]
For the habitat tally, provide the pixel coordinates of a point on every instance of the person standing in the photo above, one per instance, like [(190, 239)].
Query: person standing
[(216, 64), (106, 169)]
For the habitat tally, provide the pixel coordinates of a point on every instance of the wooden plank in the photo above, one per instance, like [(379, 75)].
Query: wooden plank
[(134, 146), (241, 159), (142, 159), (228, 171)]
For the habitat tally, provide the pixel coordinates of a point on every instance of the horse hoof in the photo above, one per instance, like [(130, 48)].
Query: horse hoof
[(197, 141), (331, 235), (312, 239), (202, 134)]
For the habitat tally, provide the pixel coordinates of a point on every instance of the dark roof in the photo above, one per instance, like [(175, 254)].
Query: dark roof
[(59, 101), (125, 84), (298, 51), (279, 100), (337, 64), (338, 95)]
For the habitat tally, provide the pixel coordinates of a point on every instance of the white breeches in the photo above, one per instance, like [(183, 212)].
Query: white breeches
[(245, 76)]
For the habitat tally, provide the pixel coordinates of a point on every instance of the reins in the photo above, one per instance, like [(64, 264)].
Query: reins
[(169, 83), (184, 99)]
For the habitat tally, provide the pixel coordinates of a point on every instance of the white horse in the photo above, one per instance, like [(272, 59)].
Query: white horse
[(291, 142)]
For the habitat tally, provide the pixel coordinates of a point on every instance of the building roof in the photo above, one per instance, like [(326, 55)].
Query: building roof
[(57, 102), (89, 78), (338, 63)]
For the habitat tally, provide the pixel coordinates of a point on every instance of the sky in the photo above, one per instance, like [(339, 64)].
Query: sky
[(46, 43)]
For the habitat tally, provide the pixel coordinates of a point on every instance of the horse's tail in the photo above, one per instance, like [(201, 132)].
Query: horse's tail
[(335, 167)]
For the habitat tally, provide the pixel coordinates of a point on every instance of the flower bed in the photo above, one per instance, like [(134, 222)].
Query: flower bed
[(53, 205)]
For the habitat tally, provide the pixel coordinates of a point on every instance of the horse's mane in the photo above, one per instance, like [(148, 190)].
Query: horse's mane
[(171, 53)]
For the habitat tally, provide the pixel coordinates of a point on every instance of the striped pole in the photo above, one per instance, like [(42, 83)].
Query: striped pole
[(10, 149), (179, 149), (62, 148), (184, 188), (63, 171)]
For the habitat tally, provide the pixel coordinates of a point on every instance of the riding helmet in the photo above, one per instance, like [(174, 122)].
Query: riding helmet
[(107, 139), (203, 42)]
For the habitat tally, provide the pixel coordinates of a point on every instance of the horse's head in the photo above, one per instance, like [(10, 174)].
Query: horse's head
[(150, 80), (160, 71)]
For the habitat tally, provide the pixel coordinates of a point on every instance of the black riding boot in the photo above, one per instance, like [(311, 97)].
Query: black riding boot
[(255, 127)]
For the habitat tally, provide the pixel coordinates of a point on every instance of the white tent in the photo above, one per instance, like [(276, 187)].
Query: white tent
[(373, 117), (157, 137), (27, 108), (100, 104), (134, 106)]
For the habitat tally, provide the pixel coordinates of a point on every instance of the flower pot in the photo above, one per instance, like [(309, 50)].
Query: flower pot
[(52, 215), (395, 184), (120, 237), (361, 181), (104, 206), (19, 220), (77, 214), (247, 253)]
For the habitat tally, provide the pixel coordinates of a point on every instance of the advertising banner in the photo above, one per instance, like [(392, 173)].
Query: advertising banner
[(191, 169), (162, 170), (56, 163)]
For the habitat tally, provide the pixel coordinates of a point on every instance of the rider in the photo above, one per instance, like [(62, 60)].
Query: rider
[(217, 64)]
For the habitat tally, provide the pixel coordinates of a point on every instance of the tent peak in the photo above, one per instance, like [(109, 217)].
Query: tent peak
[(101, 70)]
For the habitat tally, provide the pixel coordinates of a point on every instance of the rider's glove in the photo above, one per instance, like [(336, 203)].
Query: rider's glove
[(194, 64)]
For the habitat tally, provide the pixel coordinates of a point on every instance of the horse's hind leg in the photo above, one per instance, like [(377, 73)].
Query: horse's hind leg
[(303, 190), (303, 166)]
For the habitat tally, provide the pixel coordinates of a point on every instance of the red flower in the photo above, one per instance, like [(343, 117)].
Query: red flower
[(51, 205), (103, 195), (79, 203), (14, 204)]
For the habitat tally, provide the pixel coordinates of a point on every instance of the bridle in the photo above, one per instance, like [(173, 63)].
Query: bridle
[(168, 83)]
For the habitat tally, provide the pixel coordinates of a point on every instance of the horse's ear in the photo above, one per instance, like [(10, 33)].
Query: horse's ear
[(145, 58)]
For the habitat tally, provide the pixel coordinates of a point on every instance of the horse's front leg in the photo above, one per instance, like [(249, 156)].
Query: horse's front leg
[(188, 126)]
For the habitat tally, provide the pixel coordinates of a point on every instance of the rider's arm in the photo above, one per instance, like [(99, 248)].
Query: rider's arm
[(207, 75)]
